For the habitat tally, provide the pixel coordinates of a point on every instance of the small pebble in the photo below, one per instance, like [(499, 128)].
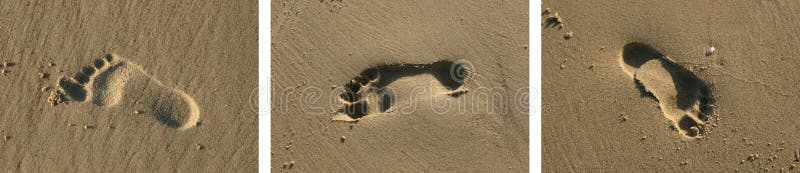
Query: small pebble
[(342, 139), (137, 112), (684, 163), (710, 51), (6, 137), (88, 127), (51, 64), (752, 157), (288, 165), (43, 75), (199, 146), (568, 36)]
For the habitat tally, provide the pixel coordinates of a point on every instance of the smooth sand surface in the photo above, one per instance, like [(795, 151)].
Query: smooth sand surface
[(156, 86), (633, 70), (321, 47)]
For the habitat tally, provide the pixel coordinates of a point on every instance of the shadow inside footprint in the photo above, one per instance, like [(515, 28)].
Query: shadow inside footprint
[(164, 109), (73, 89), (373, 81), (688, 92)]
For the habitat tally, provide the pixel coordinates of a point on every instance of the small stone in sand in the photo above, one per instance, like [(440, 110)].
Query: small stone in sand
[(88, 127), (684, 163), (288, 165), (137, 112), (342, 139), (199, 146), (45, 89), (43, 75), (3, 71), (6, 137), (51, 64), (568, 36), (752, 157), (710, 51)]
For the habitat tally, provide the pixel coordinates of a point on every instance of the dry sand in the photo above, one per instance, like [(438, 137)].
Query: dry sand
[(321, 47), (731, 111), (128, 87)]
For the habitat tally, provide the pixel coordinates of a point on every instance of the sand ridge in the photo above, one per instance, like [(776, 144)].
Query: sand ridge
[(104, 84)]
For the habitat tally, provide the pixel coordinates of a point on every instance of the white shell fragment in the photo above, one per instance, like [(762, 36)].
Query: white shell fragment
[(710, 51)]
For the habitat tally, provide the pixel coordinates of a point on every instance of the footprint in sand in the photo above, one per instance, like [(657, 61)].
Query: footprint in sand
[(368, 94), (684, 99), (109, 80)]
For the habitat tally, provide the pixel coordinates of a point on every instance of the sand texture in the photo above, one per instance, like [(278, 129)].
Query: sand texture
[(628, 86), (157, 86), (362, 86)]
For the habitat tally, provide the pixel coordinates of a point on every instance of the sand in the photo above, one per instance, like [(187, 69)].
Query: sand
[(128, 87), (400, 60), (632, 89)]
